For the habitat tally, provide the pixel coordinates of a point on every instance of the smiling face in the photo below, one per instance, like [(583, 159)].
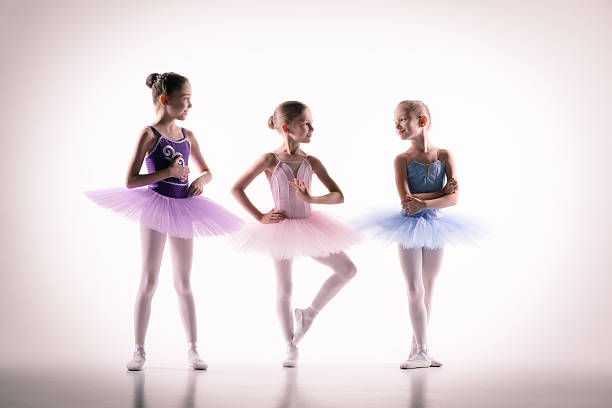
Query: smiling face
[(179, 102), (408, 125), (300, 128)]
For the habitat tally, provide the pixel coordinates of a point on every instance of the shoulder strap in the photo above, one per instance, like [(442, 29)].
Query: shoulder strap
[(155, 131)]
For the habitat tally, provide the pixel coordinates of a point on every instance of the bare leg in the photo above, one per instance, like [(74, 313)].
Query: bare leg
[(411, 260), (152, 249), (284, 287), (182, 256)]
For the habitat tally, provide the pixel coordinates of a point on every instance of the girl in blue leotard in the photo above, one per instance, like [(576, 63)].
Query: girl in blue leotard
[(420, 228)]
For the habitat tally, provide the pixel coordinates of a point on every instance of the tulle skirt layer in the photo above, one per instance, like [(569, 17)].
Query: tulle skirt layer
[(178, 217), (317, 236), (428, 228)]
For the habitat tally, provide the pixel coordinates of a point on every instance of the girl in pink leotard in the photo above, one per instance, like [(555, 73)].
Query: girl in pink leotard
[(291, 228)]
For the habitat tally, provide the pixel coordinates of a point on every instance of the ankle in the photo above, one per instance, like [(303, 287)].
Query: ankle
[(422, 348), (311, 312)]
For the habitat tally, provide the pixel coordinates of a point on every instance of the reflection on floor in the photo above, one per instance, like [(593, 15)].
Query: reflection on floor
[(314, 385)]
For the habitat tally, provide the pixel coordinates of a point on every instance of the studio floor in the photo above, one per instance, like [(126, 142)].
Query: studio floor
[(310, 385)]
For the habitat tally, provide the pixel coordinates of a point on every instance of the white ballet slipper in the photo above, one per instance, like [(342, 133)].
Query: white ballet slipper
[(137, 361), (195, 361), (435, 362), (292, 356), (303, 321), (419, 360)]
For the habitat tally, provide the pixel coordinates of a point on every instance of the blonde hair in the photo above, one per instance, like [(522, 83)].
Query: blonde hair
[(285, 113), (418, 108)]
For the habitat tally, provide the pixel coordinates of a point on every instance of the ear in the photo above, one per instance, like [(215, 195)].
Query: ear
[(284, 127), (163, 99), (422, 120)]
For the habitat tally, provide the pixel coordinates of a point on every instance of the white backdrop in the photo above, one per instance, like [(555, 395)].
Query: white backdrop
[(519, 92)]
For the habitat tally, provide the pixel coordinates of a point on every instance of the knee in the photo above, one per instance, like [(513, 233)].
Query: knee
[(348, 270), (416, 292), (182, 287), (148, 286)]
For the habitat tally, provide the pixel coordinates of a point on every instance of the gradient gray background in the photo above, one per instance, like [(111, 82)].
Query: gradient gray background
[(519, 91)]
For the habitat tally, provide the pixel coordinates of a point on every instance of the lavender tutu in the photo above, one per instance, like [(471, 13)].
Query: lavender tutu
[(428, 228), (178, 217), (303, 232), (164, 206)]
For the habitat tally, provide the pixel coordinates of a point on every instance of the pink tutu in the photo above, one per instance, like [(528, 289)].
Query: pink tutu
[(317, 236), (178, 217)]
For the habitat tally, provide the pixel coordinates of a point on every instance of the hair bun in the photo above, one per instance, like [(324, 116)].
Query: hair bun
[(151, 79), (271, 122)]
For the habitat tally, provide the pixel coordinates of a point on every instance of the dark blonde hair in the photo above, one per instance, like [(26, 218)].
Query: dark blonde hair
[(285, 113), (418, 108), (166, 83)]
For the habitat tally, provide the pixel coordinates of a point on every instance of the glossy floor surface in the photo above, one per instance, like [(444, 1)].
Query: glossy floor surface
[(310, 385)]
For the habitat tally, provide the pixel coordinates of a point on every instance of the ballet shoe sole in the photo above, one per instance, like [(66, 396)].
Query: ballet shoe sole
[(413, 367), (198, 368), (134, 369)]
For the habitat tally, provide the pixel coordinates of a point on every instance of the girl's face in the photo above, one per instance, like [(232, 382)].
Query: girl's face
[(406, 124), (179, 102), (300, 129)]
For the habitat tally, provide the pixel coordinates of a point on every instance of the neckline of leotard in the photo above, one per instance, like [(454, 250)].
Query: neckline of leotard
[(425, 164), (167, 138), (283, 161)]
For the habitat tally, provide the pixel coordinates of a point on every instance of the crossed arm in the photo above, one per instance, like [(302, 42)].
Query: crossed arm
[(414, 203)]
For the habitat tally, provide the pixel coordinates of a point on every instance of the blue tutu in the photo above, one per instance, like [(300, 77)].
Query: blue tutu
[(428, 228)]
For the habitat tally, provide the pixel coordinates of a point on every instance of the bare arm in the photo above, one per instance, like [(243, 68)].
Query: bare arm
[(401, 177), (264, 162), (146, 142), (447, 200), (429, 196), (334, 196), (205, 176)]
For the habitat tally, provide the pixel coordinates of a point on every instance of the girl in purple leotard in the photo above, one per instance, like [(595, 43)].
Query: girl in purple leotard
[(166, 204)]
